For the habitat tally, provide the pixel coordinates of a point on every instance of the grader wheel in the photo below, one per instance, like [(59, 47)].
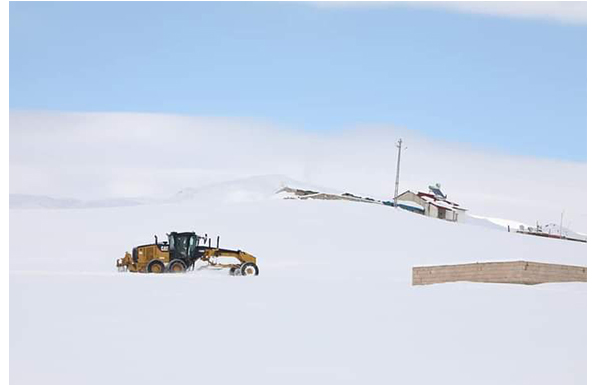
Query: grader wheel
[(156, 267), (249, 268), (177, 266)]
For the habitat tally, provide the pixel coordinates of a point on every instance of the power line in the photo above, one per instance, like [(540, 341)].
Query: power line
[(396, 193)]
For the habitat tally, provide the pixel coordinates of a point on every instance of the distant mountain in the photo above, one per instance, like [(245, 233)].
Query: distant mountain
[(26, 201), (241, 190)]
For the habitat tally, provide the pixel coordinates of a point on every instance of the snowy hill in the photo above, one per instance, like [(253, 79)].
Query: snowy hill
[(27, 201), (555, 229), (250, 189), (333, 304), (360, 160)]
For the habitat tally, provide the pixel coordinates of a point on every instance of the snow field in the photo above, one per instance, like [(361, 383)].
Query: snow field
[(333, 304)]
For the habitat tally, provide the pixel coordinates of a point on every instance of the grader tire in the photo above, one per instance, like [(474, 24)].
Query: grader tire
[(177, 266), (233, 270), (156, 267), (249, 268)]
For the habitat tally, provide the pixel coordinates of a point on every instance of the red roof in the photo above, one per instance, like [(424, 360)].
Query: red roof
[(434, 198)]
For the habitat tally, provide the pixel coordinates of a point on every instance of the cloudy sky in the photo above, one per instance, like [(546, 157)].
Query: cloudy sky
[(511, 77), (126, 99)]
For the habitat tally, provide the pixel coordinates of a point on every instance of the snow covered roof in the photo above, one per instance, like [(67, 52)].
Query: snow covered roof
[(440, 202)]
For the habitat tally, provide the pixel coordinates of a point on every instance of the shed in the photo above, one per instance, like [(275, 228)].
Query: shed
[(434, 204)]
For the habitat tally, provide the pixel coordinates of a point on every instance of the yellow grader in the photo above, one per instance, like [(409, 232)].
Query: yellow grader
[(180, 253)]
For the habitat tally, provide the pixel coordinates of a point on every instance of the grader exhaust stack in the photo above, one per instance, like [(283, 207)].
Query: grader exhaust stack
[(180, 254)]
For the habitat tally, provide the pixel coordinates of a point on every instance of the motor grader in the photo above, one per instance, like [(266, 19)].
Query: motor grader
[(180, 253)]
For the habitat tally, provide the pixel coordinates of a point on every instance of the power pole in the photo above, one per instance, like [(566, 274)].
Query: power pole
[(398, 145), (561, 225)]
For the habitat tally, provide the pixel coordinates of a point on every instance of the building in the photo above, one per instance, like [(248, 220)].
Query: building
[(434, 204)]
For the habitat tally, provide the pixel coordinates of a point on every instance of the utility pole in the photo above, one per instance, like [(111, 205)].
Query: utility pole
[(398, 145), (561, 225)]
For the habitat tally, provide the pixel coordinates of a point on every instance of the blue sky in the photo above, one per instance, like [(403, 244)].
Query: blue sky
[(517, 85)]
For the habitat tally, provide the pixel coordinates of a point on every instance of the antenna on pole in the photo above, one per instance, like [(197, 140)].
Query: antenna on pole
[(398, 144)]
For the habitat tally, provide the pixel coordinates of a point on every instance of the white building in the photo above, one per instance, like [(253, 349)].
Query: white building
[(435, 204)]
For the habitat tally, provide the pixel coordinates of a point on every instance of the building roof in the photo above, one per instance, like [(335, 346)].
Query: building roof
[(430, 198), (435, 201)]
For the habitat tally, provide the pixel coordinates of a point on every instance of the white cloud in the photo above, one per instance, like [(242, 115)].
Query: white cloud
[(563, 11), (100, 155), (560, 11)]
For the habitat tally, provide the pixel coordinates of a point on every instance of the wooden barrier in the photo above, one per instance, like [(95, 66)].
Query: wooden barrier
[(520, 272)]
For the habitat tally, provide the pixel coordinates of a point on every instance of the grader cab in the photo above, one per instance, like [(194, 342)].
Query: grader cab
[(181, 252)]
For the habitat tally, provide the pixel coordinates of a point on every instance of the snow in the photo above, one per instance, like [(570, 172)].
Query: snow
[(26, 201), (334, 301), (549, 228), (65, 155), (443, 204), (250, 189), (333, 304), (553, 228), (514, 225)]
